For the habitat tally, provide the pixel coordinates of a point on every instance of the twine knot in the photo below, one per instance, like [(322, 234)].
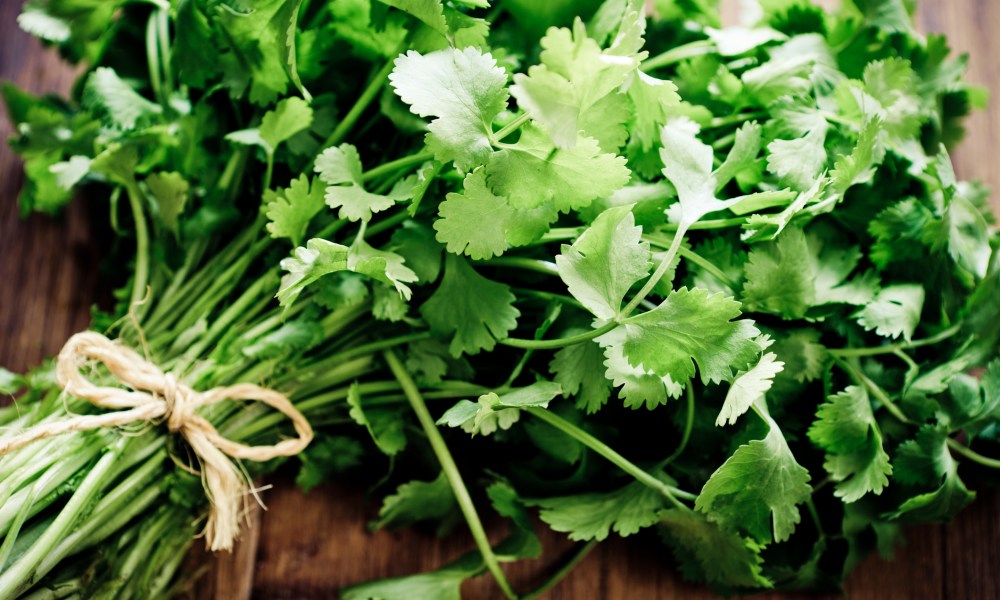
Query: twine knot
[(158, 396)]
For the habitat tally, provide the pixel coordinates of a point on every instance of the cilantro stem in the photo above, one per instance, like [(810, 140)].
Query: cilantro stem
[(529, 264), (697, 259), (891, 348), (510, 128), (735, 119), (395, 165), (688, 426), (670, 492), (163, 39), (577, 557), (708, 224), (875, 390), (371, 90), (16, 576), (450, 470), (677, 54), (972, 455), (141, 245), (661, 270), (153, 60), (559, 234), (559, 342)]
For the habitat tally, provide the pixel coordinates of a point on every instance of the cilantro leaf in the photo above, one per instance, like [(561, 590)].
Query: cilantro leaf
[(470, 309), (495, 411), (290, 210), (532, 173), (845, 427), (574, 76), (264, 39), (593, 516), (639, 385), (107, 95), (383, 425), (464, 89), (894, 311), (171, 193), (476, 222), (748, 388), (689, 326), (340, 167), (307, 264), (418, 501), (927, 460), (579, 370), (602, 265), (779, 276), (715, 554), (387, 267), (757, 487)]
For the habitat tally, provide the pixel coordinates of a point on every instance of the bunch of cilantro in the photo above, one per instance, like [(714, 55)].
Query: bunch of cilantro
[(716, 284)]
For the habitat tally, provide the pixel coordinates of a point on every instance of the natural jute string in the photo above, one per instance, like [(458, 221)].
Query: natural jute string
[(156, 395)]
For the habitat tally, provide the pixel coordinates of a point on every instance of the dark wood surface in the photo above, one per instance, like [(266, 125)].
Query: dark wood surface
[(308, 546)]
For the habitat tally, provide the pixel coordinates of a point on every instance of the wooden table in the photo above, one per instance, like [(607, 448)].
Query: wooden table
[(308, 546)]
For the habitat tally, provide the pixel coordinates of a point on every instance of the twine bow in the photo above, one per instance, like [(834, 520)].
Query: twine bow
[(156, 395)]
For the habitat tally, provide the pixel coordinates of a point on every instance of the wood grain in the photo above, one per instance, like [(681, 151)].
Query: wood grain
[(309, 545)]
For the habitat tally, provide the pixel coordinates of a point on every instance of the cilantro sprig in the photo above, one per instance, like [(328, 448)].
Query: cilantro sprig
[(628, 272)]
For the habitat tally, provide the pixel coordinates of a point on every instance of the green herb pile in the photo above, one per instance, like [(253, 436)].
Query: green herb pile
[(635, 273)]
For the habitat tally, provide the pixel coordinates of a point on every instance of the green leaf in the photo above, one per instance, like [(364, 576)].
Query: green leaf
[(845, 427), (340, 167), (532, 173), (593, 516), (748, 388), (464, 89), (442, 584), (779, 276), (798, 163), (116, 102), (476, 222), (306, 265), (170, 191), (746, 147), (688, 327), (470, 309), (263, 38), (579, 369), (804, 358), (858, 167), (575, 75), (760, 485), (430, 12), (10, 383), (414, 241), (713, 553), (384, 425), (895, 310), (602, 265), (290, 210), (522, 542), (292, 336), (387, 267), (287, 118), (652, 100), (325, 457), (639, 386), (687, 164), (923, 461), (494, 411), (417, 501)]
